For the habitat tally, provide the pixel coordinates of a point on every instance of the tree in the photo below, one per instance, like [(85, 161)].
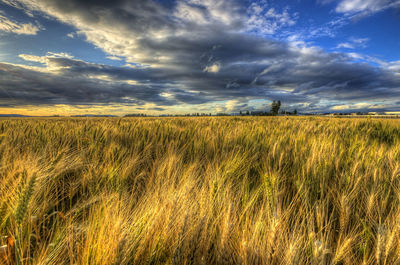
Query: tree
[(295, 112), (275, 106)]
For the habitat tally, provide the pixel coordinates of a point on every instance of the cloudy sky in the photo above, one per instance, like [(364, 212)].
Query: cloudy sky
[(183, 56)]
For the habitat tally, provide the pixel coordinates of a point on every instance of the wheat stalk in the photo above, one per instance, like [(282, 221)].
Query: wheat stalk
[(20, 214)]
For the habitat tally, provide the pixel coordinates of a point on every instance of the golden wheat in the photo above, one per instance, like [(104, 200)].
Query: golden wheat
[(206, 190)]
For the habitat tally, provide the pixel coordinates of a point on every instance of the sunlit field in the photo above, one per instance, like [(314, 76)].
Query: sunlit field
[(206, 190)]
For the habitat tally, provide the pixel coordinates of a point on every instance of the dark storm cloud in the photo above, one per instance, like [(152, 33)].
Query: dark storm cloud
[(157, 109), (196, 52), (19, 86)]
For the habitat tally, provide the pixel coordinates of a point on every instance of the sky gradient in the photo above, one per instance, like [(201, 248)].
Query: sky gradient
[(184, 56)]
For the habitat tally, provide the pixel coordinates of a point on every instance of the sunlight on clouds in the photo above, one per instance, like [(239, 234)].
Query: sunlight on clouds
[(44, 59), (69, 110), (8, 25), (117, 39), (132, 82), (101, 77), (49, 65), (126, 45), (231, 105), (167, 95), (283, 89), (214, 68), (115, 58), (33, 58), (361, 105)]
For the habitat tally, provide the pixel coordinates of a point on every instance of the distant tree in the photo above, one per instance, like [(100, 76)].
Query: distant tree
[(295, 112), (240, 113), (275, 106), (136, 115), (247, 112)]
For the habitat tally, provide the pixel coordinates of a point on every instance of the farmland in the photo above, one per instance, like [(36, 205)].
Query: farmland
[(204, 190)]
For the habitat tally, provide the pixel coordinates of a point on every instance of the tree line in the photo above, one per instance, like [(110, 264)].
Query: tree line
[(275, 110)]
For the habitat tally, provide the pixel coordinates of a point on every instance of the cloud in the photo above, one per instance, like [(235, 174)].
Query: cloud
[(354, 43), (345, 45), (357, 106), (7, 25), (214, 68), (267, 20), (191, 52), (20, 86), (71, 35), (365, 6), (33, 58), (114, 58), (64, 80)]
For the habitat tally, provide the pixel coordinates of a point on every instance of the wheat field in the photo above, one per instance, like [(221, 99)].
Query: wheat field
[(205, 190)]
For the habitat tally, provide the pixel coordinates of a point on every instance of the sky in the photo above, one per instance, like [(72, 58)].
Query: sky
[(156, 57)]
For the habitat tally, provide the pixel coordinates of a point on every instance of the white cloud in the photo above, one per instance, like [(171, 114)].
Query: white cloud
[(59, 55), (394, 67), (71, 35), (353, 43), (115, 58), (361, 41), (368, 6), (266, 20), (345, 45), (8, 25)]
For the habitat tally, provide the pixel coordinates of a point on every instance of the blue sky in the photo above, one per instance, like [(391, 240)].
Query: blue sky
[(179, 56)]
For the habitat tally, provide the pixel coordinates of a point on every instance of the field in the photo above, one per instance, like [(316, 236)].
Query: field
[(206, 190)]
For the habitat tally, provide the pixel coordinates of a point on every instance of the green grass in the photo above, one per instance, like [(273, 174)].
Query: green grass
[(249, 190)]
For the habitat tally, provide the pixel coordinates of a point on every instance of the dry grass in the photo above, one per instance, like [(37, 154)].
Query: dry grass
[(265, 190)]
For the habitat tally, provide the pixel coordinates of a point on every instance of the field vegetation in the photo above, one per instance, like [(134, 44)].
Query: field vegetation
[(204, 190)]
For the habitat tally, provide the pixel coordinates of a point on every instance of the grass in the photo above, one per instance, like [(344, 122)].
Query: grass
[(212, 190)]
